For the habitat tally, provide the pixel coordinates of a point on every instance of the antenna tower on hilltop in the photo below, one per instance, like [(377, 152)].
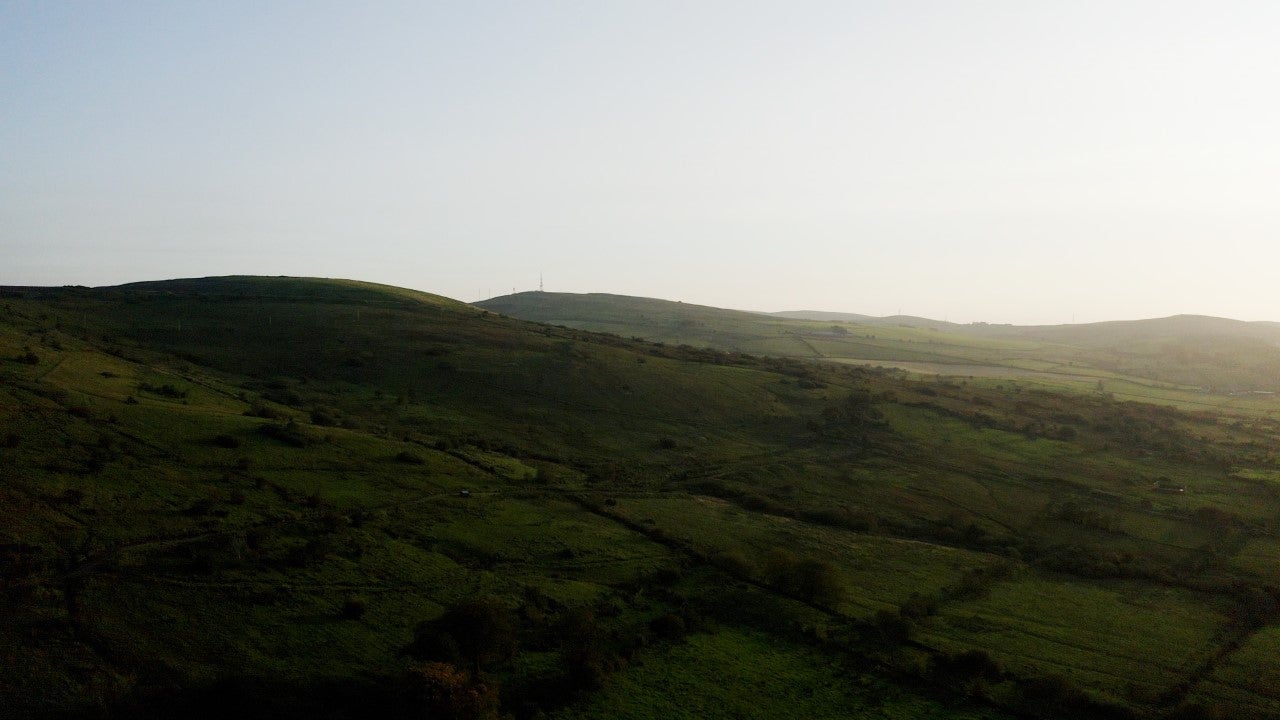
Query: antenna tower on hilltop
[(539, 282)]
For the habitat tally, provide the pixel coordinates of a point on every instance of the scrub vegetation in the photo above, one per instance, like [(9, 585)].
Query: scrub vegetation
[(291, 498)]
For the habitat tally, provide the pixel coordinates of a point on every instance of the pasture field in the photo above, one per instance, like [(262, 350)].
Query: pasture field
[(1123, 640), (734, 674), (1247, 678), (1260, 557), (876, 573)]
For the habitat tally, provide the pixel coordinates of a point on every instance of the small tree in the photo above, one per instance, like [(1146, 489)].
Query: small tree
[(814, 581), (353, 608), (479, 633), (819, 582), (440, 690)]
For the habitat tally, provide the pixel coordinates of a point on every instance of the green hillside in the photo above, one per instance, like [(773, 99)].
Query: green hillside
[(1217, 355), (282, 497), (1191, 362)]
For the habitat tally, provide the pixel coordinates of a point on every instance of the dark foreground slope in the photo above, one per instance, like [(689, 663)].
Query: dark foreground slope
[(297, 498)]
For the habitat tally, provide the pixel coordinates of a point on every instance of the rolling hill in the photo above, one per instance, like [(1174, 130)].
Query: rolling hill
[(1188, 361), (287, 497)]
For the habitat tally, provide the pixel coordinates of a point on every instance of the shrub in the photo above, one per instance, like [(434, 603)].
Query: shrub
[(410, 458), (479, 632), (1050, 694), (166, 390), (586, 661), (840, 517), (440, 690), (353, 608), (313, 552), (262, 411), (666, 576), (29, 358), (891, 627), (966, 665), (733, 561), (199, 508), (819, 582), (669, 626), (1215, 517), (815, 581), (288, 433), (918, 606), (284, 397), (226, 441)]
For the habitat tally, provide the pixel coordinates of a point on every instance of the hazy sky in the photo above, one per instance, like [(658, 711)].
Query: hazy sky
[(1019, 161)]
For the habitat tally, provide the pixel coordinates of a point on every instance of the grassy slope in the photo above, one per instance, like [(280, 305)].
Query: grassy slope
[(1187, 361), (158, 537)]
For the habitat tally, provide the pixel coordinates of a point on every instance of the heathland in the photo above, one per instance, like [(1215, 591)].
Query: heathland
[(279, 497)]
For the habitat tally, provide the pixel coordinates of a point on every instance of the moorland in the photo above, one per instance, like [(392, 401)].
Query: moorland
[(1192, 362), (284, 497)]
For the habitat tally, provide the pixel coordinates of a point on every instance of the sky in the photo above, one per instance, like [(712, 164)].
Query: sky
[(993, 160)]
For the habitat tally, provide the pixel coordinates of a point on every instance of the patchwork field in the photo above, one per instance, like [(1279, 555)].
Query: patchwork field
[(874, 572)]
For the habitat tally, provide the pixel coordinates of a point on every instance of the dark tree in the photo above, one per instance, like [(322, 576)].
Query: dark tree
[(478, 633)]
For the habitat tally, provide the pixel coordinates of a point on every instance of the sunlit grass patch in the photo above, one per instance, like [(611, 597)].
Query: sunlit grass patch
[(1104, 636)]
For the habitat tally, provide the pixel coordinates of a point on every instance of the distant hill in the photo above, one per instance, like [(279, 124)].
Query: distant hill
[(650, 318), (1217, 354), (321, 290), (901, 320), (605, 309), (1194, 353), (1121, 331), (823, 316)]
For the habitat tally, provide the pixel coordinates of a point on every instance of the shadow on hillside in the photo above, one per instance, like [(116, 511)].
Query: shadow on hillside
[(261, 699)]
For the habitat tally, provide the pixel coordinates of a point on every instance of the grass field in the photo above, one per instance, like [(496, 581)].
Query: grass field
[(1124, 640), (876, 573), (732, 674), (1247, 679)]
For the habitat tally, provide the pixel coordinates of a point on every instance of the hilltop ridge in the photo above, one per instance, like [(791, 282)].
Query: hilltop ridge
[(286, 287)]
